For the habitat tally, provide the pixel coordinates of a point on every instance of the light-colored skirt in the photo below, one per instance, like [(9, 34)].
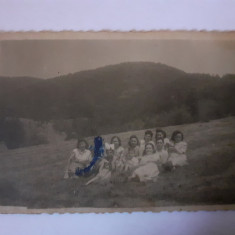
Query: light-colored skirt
[(178, 159), (148, 172)]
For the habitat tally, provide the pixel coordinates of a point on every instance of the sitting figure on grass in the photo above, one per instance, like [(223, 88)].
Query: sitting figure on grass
[(132, 154), (148, 138), (118, 158), (118, 149), (163, 158), (147, 169), (178, 149), (79, 158), (160, 134), (105, 167)]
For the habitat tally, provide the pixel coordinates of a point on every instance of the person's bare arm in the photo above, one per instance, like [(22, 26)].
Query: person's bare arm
[(92, 180)]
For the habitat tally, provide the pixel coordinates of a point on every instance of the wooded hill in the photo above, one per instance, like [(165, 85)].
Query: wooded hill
[(120, 97)]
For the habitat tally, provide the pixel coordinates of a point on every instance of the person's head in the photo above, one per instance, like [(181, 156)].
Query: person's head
[(160, 134), (148, 136), (159, 144), (149, 149), (133, 141), (177, 136), (116, 141), (82, 144)]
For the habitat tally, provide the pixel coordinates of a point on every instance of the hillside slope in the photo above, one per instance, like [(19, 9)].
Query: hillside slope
[(33, 176)]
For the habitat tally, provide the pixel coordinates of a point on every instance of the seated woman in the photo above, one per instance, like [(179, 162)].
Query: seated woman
[(118, 160), (79, 158), (160, 134), (147, 169), (105, 167), (118, 149), (178, 149), (148, 138), (162, 154), (132, 153)]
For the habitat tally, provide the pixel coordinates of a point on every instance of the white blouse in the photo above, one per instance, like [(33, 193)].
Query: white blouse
[(81, 158)]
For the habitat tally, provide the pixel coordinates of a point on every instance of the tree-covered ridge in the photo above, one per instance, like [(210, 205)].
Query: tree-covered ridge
[(120, 97)]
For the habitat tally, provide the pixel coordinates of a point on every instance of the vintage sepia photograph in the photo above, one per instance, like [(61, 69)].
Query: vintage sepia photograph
[(116, 120)]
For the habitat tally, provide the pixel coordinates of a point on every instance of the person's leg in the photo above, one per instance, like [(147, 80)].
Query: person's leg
[(92, 180)]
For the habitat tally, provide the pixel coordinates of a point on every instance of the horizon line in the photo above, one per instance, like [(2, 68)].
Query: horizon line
[(109, 65)]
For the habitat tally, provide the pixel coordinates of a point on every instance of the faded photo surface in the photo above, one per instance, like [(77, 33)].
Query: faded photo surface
[(161, 111)]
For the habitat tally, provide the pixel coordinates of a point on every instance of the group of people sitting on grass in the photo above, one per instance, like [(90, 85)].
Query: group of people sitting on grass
[(141, 161)]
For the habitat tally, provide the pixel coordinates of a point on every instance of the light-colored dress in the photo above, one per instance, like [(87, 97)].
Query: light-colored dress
[(131, 163), (162, 156), (179, 157), (131, 158), (118, 162), (119, 151), (79, 159), (148, 170), (166, 142), (132, 152), (104, 174)]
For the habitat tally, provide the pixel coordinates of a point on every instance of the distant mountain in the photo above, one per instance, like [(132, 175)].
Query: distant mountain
[(123, 96)]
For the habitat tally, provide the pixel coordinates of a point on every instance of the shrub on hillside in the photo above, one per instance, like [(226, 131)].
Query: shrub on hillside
[(209, 109), (175, 116), (18, 133), (13, 133), (36, 137)]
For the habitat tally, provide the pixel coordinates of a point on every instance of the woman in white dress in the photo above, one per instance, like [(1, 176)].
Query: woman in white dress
[(79, 158), (148, 138), (178, 149), (147, 169)]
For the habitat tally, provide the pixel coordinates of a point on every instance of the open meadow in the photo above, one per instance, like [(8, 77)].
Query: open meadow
[(33, 176)]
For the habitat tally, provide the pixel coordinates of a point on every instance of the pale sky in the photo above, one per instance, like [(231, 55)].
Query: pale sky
[(47, 58)]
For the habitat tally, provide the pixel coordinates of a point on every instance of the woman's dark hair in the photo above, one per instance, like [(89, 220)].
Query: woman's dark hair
[(131, 137), (119, 140), (148, 132), (144, 153), (161, 131), (176, 133), (82, 140)]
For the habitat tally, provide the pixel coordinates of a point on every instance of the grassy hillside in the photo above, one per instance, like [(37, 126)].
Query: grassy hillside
[(33, 176)]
